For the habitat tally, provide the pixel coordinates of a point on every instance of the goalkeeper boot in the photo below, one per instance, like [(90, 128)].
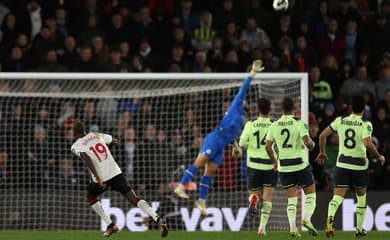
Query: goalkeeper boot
[(111, 229), (360, 233), (312, 230), (295, 233), (261, 232), (201, 205), (329, 231), (253, 205), (181, 192), (163, 226)]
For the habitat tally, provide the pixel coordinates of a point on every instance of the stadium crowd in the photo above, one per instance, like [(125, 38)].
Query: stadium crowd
[(343, 45)]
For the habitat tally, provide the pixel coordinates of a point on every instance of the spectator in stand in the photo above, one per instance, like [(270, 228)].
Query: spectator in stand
[(146, 28), (216, 53), (100, 51), (357, 85), (67, 177), (16, 62), (379, 37), (321, 89), (31, 18), (178, 57), (317, 22), (125, 51), (136, 64), (149, 58), (115, 63), (283, 30), (203, 35), (9, 31), (354, 42), (385, 104), (51, 64), (255, 36), (308, 53), (330, 72), (381, 129), (231, 63), (189, 20), (62, 21), (130, 145), (85, 62), (200, 62), (88, 116), (106, 110), (231, 37), (332, 41), (5, 174), (116, 32), (4, 10), (22, 41), (383, 84), (345, 13), (227, 14), (68, 55), (43, 42), (86, 35), (90, 8)]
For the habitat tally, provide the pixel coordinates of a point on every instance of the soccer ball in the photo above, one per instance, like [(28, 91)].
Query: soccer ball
[(280, 5)]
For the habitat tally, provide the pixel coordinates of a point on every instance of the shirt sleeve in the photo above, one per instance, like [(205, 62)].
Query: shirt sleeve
[(244, 136), (367, 130), (303, 129), (106, 138), (335, 124), (270, 135)]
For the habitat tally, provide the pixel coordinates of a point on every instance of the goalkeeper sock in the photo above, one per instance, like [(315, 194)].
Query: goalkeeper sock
[(204, 186), (310, 206), (334, 205), (265, 212), (292, 212), (360, 211), (144, 206), (188, 174), (97, 207)]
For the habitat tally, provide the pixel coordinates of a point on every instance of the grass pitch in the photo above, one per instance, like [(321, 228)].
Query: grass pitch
[(174, 235)]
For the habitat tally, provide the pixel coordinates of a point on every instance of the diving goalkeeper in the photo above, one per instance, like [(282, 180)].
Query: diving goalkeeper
[(214, 144)]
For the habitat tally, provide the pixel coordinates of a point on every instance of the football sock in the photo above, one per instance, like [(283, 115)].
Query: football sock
[(334, 205), (292, 211), (97, 207), (265, 212), (144, 206), (204, 186), (188, 174), (310, 206), (360, 211)]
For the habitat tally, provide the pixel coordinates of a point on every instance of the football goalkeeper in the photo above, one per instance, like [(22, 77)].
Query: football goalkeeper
[(212, 152)]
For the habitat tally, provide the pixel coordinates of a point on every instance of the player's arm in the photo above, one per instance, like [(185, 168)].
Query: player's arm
[(115, 141), (372, 149), (244, 137), (309, 143), (304, 133), (88, 162), (271, 154), (321, 158)]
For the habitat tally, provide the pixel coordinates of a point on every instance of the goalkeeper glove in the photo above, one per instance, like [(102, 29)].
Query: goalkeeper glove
[(257, 66)]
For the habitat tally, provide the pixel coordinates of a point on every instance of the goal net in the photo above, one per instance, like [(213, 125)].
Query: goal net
[(160, 121)]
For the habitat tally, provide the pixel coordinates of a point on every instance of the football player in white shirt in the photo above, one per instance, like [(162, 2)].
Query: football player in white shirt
[(105, 172)]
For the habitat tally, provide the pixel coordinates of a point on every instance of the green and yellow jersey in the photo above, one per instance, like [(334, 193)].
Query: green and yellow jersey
[(287, 133), (352, 152), (253, 139)]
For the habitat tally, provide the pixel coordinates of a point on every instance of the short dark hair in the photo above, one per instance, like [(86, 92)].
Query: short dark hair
[(358, 103), (79, 128), (288, 104), (264, 105)]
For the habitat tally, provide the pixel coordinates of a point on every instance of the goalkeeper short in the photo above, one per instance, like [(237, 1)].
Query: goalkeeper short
[(257, 179), (213, 148), (347, 178)]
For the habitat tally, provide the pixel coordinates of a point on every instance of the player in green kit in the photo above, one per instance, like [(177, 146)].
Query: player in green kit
[(261, 172), (352, 164), (291, 135)]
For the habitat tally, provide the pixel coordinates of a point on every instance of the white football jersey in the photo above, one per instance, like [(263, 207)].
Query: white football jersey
[(95, 145)]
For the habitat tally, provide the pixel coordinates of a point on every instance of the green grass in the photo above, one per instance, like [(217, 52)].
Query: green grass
[(174, 235)]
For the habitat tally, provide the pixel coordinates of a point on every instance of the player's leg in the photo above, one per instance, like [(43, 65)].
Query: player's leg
[(342, 183), (204, 186), (120, 184), (266, 208), (255, 183), (360, 182), (289, 183), (93, 191), (200, 162), (309, 188)]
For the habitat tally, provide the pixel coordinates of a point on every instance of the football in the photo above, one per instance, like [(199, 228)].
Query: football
[(280, 5)]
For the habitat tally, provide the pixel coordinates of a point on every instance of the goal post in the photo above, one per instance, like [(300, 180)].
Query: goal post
[(160, 120)]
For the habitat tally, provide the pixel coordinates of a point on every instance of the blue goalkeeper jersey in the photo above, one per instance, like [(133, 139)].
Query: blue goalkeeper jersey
[(231, 125)]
